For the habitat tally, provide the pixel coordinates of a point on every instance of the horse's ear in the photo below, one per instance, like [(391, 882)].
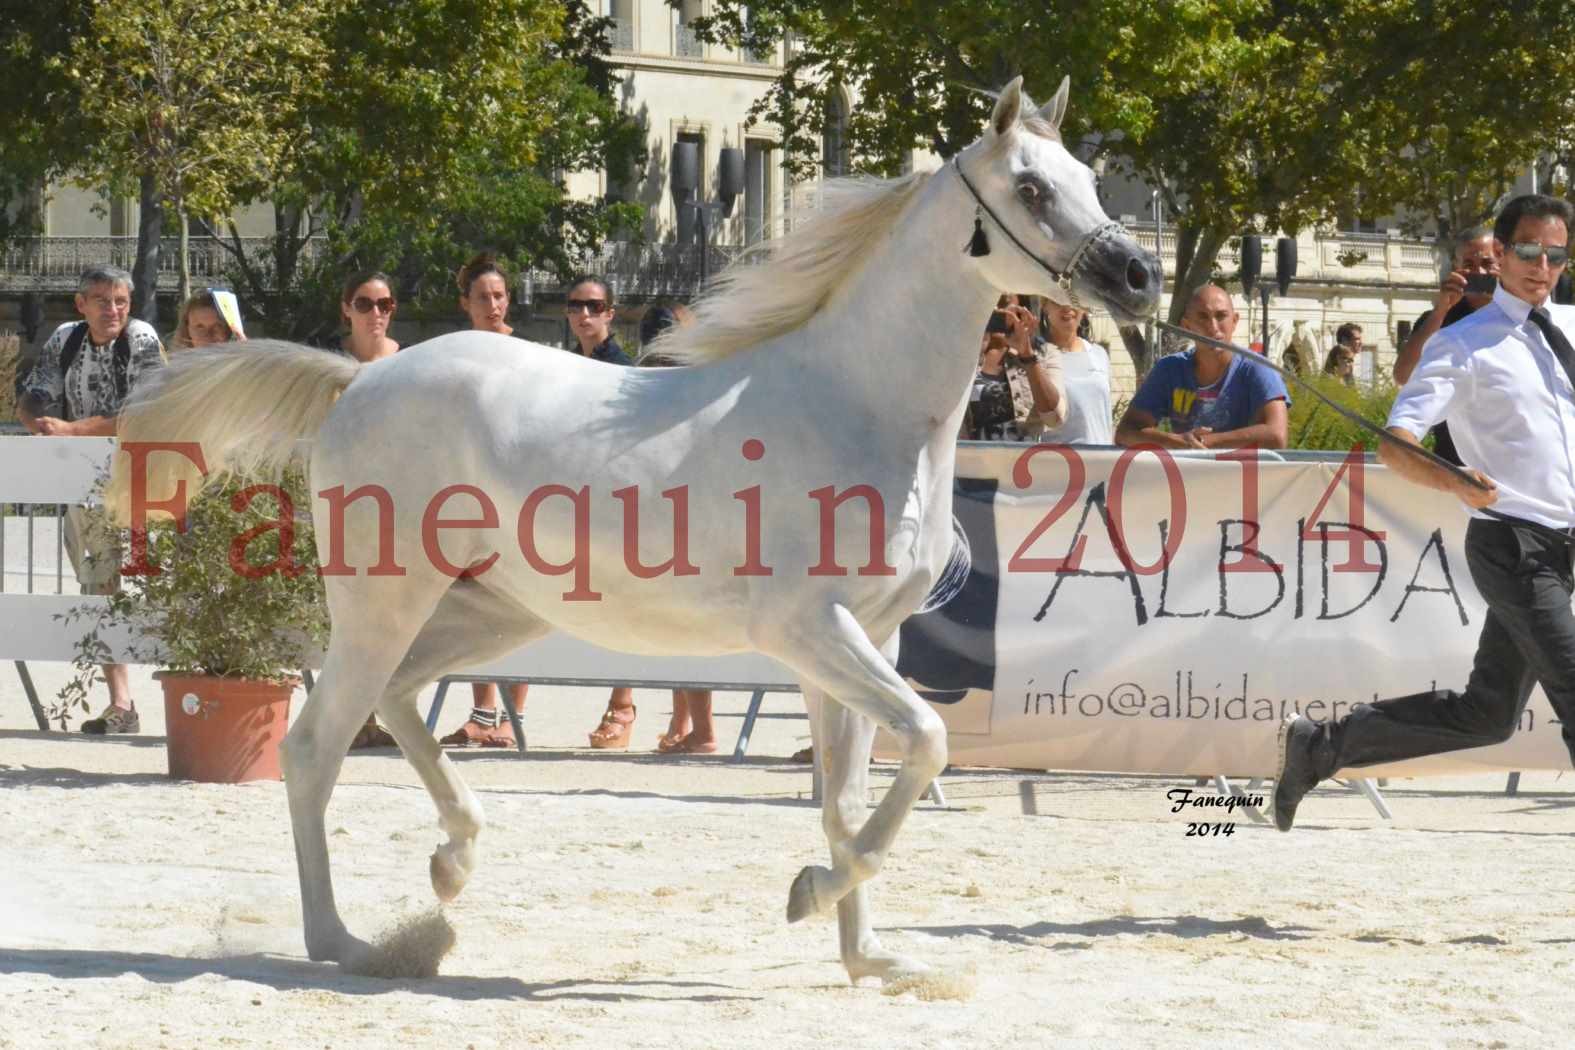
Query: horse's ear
[(1055, 109), (1008, 107)]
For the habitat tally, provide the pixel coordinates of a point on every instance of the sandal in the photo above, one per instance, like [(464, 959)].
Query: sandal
[(670, 743), (372, 735), (481, 732), (613, 733)]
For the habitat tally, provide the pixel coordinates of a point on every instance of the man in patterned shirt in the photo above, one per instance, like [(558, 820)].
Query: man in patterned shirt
[(81, 378)]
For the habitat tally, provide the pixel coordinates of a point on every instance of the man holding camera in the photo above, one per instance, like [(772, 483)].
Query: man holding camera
[(1464, 290), (1505, 378)]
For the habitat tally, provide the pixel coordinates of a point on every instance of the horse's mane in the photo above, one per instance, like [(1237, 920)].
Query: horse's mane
[(757, 298)]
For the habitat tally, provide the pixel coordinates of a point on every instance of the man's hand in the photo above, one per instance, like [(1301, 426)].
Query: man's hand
[(1474, 497), (1450, 291), (1194, 438), (50, 426)]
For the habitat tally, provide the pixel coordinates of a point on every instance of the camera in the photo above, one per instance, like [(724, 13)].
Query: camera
[(999, 322), (1481, 283)]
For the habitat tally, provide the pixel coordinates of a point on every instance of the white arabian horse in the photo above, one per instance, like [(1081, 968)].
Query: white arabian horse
[(841, 362)]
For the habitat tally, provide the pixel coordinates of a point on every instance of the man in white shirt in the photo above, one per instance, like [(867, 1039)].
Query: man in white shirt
[(1502, 377)]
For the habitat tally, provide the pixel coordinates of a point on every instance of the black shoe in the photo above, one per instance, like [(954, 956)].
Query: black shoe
[(1297, 773)]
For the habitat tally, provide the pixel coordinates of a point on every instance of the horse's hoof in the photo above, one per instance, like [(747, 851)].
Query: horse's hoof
[(448, 875), (803, 900), (884, 966), (337, 947)]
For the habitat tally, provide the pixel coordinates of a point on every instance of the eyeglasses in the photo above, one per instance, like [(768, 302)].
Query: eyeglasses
[(1531, 251), (364, 305), (590, 306)]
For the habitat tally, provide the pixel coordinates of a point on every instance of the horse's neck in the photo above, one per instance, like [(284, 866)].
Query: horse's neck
[(902, 334)]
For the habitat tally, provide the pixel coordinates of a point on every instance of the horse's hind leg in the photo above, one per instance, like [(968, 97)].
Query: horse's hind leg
[(370, 636), (843, 741), (471, 625)]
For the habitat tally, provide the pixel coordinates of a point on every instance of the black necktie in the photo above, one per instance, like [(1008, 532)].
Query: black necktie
[(1556, 339)]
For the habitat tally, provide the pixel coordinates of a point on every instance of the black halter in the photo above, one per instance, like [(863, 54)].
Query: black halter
[(1063, 278)]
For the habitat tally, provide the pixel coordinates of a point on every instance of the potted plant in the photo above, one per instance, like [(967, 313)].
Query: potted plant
[(233, 611)]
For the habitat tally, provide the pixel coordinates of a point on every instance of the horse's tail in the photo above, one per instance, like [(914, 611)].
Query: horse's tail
[(245, 405)]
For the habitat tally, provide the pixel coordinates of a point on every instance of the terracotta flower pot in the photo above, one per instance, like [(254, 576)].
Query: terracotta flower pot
[(225, 730)]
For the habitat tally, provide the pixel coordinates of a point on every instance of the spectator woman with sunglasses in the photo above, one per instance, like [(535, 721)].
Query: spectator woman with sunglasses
[(590, 313), (368, 306), (484, 296)]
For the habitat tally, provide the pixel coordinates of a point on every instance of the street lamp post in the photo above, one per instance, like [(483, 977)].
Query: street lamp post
[(695, 214), (1252, 266)]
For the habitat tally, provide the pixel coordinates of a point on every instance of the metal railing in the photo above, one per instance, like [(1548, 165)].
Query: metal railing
[(33, 549), (645, 271), (54, 263), (686, 44), (620, 35), (1367, 256)]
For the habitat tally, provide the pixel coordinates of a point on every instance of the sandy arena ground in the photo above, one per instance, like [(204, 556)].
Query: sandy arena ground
[(637, 900)]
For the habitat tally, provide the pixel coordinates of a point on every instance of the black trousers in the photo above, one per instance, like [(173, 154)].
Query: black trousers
[(1524, 574)]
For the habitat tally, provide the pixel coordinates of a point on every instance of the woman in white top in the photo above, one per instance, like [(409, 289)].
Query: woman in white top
[(1085, 373)]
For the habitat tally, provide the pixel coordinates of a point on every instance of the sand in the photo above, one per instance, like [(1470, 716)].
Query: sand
[(637, 900)]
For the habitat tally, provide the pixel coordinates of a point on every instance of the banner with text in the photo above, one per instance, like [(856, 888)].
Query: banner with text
[(1160, 612)]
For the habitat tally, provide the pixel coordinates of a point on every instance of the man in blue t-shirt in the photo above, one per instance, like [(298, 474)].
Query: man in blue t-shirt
[(1208, 398)]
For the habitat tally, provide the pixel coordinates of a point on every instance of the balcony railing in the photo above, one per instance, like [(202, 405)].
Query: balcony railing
[(620, 35), (646, 271), (53, 264), (686, 44), (1336, 257)]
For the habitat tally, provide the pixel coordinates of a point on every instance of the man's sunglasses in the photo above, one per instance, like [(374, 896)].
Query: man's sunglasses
[(590, 306), (364, 305), (1531, 251)]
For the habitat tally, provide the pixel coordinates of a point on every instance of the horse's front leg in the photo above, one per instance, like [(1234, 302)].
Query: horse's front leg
[(312, 754), (843, 741), (362, 656), (831, 652)]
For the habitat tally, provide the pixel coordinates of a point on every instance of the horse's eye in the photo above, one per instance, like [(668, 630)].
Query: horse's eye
[(1030, 193)]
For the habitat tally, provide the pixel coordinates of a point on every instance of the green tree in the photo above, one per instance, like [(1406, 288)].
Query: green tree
[(40, 121), (1246, 114), (441, 126), (200, 98), (1466, 98)]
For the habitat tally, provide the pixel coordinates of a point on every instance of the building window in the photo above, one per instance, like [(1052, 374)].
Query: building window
[(763, 57), (620, 36), (834, 136), (757, 190), (685, 43)]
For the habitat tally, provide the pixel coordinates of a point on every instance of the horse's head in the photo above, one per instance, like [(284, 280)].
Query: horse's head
[(1042, 227)]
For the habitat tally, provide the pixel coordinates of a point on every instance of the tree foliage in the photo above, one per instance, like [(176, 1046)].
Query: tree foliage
[(1246, 114), (442, 126), (398, 134), (202, 96)]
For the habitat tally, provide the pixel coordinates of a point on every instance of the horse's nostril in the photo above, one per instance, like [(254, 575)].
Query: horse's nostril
[(1137, 275)]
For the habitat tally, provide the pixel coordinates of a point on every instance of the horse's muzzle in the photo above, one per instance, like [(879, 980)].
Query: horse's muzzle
[(1125, 276)]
